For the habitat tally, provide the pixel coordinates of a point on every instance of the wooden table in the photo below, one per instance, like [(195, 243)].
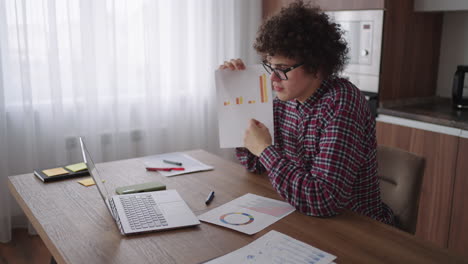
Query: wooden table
[(76, 227)]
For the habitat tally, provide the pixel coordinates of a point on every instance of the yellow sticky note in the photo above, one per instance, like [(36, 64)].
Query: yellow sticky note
[(77, 167), (87, 182), (55, 172)]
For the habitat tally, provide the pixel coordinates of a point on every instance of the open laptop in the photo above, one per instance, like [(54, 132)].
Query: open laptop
[(142, 212)]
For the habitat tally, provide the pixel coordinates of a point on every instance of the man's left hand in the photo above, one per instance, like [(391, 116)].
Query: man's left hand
[(257, 137)]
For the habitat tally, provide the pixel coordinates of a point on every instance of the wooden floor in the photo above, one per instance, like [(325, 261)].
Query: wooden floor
[(25, 249)]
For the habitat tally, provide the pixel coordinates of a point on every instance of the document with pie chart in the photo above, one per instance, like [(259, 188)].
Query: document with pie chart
[(248, 214)]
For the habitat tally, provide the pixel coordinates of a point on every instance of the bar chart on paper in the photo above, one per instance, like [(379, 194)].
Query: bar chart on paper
[(242, 95), (262, 96)]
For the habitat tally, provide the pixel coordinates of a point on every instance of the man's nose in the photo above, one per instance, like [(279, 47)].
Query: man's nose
[(274, 77)]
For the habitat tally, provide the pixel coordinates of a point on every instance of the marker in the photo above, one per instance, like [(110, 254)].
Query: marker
[(173, 162), (209, 198)]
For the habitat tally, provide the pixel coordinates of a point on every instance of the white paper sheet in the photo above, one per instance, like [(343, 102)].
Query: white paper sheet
[(248, 214), (276, 247), (188, 163), (241, 96)]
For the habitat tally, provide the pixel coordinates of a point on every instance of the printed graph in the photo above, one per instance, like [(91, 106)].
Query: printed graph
[(263, 94), (263, 89), (237, 218), (241, 96)]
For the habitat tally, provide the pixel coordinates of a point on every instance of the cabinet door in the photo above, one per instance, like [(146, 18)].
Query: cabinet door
[(440, 153), (458, 239)]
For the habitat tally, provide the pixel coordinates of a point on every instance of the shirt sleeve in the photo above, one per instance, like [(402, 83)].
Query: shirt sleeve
[(325, 188), (249, 160)]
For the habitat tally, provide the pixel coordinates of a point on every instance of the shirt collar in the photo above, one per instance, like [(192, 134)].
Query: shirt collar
[(308, 104)]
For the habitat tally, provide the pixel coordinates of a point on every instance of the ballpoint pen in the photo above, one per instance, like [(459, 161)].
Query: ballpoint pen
[(209, 198), (173, 162)]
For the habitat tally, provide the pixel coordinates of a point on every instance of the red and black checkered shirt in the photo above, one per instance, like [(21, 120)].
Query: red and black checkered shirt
[(324, 155)]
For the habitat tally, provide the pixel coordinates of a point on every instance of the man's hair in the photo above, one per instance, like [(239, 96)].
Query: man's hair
[(304, 33)]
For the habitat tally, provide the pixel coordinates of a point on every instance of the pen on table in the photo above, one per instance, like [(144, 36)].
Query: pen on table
[(173, 162), (164, 169), (209, 198)]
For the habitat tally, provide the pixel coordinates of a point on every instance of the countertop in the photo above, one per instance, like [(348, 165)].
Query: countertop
[(435, 110)]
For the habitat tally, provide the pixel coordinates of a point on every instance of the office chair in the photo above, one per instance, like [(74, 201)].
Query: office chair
[(401, 174)]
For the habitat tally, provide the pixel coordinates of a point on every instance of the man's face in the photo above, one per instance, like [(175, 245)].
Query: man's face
[(300, 84)]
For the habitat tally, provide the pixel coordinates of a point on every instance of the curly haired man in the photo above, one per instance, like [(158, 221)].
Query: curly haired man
[(324, 156)]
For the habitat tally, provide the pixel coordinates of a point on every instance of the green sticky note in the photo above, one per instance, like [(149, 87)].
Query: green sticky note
[(77, 167)]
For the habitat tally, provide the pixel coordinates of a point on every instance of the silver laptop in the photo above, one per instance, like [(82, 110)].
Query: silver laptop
[(142, 212)]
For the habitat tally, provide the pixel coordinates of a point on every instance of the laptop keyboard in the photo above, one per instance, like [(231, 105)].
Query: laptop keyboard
[(142, 212)]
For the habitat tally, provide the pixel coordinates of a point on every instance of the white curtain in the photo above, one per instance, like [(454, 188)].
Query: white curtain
[(133, 77)]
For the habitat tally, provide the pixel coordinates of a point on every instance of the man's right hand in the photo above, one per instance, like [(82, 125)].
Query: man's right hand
[(234, 64)]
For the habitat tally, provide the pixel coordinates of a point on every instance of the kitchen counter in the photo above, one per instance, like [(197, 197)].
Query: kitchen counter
[(435, 110)]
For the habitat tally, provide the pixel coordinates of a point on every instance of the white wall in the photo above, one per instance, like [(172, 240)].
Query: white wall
[(440, 5), (453, 50)]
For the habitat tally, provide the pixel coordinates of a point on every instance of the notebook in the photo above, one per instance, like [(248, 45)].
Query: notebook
[(142, 212), (62, 172)]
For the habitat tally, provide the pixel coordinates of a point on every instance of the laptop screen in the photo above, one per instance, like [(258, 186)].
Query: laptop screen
[(93, 171)]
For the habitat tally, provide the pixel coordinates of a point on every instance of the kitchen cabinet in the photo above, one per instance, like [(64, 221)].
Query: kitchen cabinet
[(440, 153), (410, 50), (438, 5), (458, 238)]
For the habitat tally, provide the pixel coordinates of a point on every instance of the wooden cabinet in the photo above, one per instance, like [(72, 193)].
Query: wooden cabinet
[(440, 153), (458, 238), (410, 52)]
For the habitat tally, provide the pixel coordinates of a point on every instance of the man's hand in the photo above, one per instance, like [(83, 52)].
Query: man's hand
[(257, 137), (234, 65)]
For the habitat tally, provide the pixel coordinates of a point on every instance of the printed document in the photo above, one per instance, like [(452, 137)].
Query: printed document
[(187, 162), (276, 247), (241, 96), (248, 214)]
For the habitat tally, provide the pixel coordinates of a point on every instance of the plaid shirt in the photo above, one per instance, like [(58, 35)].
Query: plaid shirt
[(324, 155)]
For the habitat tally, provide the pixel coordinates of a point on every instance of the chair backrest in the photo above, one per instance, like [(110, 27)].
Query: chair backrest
[(401, 174)]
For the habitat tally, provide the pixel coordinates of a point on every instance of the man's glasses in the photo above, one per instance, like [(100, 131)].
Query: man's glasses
[(280, 73)]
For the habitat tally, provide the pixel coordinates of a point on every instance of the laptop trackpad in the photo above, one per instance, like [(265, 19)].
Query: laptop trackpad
[(166, 196), (171, 209), (178, 214)]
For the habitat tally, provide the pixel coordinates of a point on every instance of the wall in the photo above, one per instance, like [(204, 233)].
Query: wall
[(439, 5), (453, 50)]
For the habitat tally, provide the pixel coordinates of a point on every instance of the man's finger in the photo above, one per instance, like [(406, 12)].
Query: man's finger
[(254, 122)]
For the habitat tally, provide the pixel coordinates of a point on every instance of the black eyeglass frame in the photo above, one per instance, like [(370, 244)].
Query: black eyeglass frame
[(270, 69)]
